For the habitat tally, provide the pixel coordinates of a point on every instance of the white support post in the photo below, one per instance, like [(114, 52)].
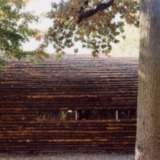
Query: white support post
[(76, 115), (117, 115)]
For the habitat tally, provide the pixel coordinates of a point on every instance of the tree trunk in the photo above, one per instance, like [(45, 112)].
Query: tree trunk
[(148, 121)]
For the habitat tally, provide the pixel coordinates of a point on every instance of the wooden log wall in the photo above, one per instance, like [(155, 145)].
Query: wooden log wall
[(72, 83)]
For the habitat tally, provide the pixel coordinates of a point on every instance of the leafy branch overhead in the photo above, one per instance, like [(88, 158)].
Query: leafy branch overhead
[(14, 31), (96, 23), (91, 12)]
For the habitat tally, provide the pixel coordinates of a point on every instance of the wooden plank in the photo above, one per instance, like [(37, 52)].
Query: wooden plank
[(78, 83)]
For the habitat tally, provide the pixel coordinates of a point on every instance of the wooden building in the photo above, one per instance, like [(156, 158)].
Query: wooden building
[(77, 103)]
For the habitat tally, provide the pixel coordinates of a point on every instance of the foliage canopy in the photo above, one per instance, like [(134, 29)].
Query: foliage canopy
[(14, 30), (96, 23)]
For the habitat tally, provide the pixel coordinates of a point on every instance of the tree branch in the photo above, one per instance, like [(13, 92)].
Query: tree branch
[(91, 12)]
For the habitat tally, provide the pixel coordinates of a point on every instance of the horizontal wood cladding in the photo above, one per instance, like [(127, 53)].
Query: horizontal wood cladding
[(72, 83), (74, 135)]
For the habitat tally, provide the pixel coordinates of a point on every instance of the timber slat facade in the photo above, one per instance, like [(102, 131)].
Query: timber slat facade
[(79, 84)]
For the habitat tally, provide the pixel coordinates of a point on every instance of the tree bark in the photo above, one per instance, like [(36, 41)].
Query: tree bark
[(148, 118)]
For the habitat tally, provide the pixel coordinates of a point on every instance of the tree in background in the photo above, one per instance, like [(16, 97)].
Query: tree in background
[(95, 23), (14, 31)]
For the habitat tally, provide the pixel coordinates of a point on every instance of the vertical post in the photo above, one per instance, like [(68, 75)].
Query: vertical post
[(76, 116), (116, 114)]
